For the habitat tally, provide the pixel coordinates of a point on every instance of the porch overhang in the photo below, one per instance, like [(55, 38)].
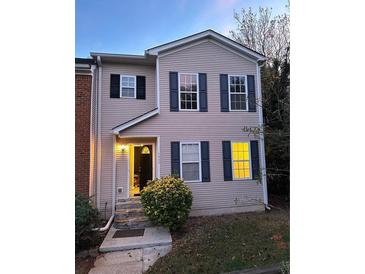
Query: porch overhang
[(118, 129)]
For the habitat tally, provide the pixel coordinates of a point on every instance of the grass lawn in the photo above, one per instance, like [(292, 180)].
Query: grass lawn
[(227, 243)]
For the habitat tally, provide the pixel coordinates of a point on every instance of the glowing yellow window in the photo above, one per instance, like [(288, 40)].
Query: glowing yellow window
[(241, 161)]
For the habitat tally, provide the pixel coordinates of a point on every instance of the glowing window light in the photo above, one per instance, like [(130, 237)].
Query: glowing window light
[(240, 161), (145, 150)]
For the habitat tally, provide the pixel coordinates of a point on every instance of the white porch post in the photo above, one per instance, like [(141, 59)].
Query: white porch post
[(114, 170)]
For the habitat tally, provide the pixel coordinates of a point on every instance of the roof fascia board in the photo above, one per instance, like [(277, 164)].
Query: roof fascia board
[(94, 54), (122, 127)]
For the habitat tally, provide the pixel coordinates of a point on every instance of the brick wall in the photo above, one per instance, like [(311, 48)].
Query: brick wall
[(82, 132)]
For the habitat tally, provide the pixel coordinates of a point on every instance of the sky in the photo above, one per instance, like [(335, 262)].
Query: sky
[(132, 26)]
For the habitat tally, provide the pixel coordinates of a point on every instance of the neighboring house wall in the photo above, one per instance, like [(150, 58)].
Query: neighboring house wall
[(115, 111), (213, 126), (82, 132)]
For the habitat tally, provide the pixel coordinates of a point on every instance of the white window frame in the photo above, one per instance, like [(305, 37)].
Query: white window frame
[(197, 91), (187, 162), (121, 87), (229, 92), (249, 160)]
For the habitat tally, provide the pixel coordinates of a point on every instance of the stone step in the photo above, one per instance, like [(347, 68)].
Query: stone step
[(123, 200), (132, 222), (129, 212), (132, 203)]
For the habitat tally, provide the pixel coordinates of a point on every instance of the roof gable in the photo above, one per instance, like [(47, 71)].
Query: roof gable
[(204, 35)]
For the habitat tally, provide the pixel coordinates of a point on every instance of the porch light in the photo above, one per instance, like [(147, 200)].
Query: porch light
[(145, 150), (123, 148)]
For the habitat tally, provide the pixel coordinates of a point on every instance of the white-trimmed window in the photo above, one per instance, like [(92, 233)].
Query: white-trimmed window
[(128, 86), (238, 100), (241, 165), (190, 168), (188, 91)]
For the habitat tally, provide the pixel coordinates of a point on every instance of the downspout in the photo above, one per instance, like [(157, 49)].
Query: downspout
[(92, 137), (98, 135), (261, 138), (106, 227), (98, 164), (158, 83), (158, 107)]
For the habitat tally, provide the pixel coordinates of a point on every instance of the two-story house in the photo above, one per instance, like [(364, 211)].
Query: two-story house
[(179, 109)]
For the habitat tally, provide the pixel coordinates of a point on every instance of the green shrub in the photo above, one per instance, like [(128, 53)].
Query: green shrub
[(87, 218), (167, 202), (285, 267)]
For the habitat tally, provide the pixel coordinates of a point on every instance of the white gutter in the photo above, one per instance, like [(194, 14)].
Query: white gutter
[(261, 138), (98, 163)]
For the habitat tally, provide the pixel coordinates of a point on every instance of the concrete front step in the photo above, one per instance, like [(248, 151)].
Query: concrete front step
[(131, 222), (153, 236), (130, 212)]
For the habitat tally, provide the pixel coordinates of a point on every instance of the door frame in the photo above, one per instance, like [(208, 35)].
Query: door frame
[(153, 162)]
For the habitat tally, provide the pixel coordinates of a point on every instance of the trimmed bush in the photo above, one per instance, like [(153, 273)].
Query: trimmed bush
[(86, 219), (167, 202)]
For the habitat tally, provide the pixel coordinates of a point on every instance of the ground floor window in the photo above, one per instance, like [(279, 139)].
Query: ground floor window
[(241, 160), (190, 162)]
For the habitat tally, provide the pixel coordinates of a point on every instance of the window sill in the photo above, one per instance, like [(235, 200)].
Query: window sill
[(243, 180), (189, 110), (193, 182), (124, 98)]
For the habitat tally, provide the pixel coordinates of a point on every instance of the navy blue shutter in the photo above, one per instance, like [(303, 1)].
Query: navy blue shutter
[(141, 87), (224, 92), (203, 98), (114, 86), (174, 92), (251, 93), (175, 159), (227, 160), (255, 164), (204, 147)]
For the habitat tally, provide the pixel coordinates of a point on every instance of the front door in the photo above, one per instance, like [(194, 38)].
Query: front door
[(143, 164)]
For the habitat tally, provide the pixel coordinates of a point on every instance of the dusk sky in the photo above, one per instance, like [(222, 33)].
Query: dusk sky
[(131, 26)]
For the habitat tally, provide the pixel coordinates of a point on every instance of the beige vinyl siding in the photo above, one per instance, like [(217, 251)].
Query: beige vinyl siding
[(213, 126), (115, 111)]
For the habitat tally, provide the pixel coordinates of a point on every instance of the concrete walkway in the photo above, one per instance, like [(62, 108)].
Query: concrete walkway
[(132, 255), (134, 261)]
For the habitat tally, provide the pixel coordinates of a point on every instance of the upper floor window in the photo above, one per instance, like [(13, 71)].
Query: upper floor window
[(188, 91), (238, 92), (190, 162), (241, 160), (128, 86)]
